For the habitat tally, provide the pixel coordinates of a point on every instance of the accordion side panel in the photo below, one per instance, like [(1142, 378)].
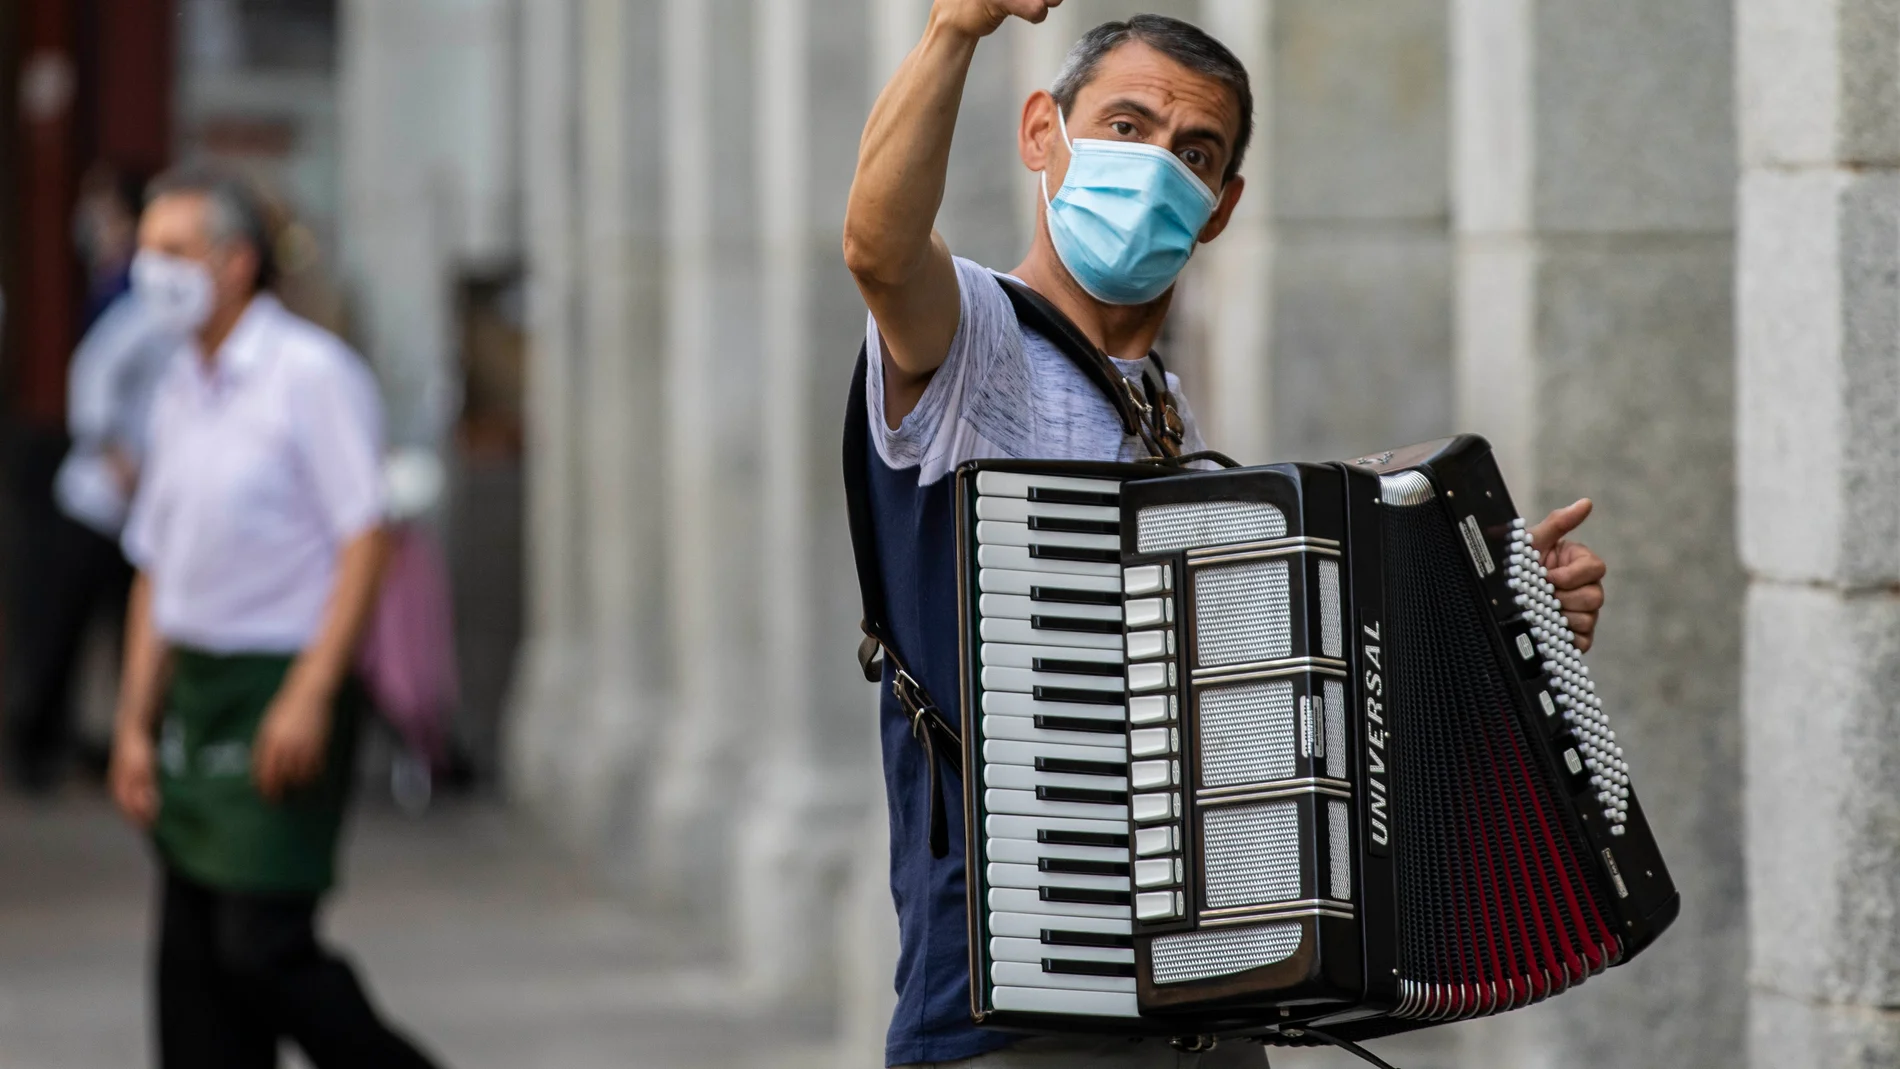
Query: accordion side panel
[(1500, 908)]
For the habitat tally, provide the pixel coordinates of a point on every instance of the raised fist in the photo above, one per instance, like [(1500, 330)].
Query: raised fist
[(980, 18)]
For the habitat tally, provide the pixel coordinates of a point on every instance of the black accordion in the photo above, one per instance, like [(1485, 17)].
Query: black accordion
[(1259, 750)]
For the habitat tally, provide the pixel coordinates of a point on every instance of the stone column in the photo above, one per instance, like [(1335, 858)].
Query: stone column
[(1594, 181), (1230, 287), (711, 447), (622, 263), (1353, 148), (817, 737), (1818, 438), (551, 658), (429, 187)]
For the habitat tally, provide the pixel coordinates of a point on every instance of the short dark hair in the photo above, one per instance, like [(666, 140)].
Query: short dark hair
[(1183, 42), (237, 211)]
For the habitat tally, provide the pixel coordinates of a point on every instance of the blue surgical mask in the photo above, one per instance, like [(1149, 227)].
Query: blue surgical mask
[(1126, 218)]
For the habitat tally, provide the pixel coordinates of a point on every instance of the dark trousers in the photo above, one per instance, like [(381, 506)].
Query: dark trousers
[(66, 574), (237, 972)]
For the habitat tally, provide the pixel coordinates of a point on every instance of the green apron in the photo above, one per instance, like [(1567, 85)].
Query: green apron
[(213, 826)]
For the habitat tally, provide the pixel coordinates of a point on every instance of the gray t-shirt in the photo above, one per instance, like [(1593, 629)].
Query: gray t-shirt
[(1004, 392)]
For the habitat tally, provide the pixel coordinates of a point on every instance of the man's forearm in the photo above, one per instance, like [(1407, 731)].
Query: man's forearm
[(322, 666), (904, 158), (142, 675)]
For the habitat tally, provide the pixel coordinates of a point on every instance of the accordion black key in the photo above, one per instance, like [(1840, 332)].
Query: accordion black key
[(1267, 749)]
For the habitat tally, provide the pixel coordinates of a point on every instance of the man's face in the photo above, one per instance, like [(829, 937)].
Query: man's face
[(179, 225), (1139, 94)]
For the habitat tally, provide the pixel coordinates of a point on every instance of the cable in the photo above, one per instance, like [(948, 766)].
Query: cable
[(1349, 1047)]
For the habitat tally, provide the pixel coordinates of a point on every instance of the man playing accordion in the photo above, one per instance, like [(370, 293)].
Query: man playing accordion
[(1139, 145)]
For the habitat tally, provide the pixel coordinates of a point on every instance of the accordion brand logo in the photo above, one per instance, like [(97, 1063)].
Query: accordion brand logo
[(1378, 806), (1480, 553)]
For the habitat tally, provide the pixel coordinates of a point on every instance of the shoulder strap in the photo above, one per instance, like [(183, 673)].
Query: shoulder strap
[(927, 721), (1151, 418), (857, 503)]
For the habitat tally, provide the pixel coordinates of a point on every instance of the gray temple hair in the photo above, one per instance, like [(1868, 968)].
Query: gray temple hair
[(236, 211), (1183, 42)]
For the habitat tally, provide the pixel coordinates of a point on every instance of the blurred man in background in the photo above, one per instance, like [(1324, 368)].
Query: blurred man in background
[(71, 569), (105, 234), (257, 534)]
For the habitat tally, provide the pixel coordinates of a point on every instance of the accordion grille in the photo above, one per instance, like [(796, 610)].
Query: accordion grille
[(1338, 848), (1502, 901), (1221, 952), (1166, 528), (1243, 613), (1331, 642), (1247, 734), (1335, 729), (1251, 855)]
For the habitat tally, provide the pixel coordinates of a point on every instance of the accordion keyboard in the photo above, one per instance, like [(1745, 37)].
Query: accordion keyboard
[(1051, 725)]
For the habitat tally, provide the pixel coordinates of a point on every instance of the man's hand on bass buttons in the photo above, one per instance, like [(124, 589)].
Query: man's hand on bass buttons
[(980, 18), (1575, 570)]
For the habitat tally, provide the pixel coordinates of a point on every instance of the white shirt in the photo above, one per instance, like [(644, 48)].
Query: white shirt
[(262, 466), (114, 376)]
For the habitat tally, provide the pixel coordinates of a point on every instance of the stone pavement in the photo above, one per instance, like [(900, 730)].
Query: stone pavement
[(473, 932)]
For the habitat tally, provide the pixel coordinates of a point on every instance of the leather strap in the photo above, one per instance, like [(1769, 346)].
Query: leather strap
[(927, 723), (1149, 413)]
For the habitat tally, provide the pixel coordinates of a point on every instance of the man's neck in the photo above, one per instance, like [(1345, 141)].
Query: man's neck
[(217, 329), (1125, 332)]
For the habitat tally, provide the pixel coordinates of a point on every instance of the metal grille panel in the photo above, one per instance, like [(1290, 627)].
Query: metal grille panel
[(1251, 855), (1247, 734), (1335, 729), (1242, 612), (1331, 642), (1338, 848), (1222, 952), (1164, 528)]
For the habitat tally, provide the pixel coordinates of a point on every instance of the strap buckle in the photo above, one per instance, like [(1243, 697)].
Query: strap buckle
[(908, 692), (1136, 398)]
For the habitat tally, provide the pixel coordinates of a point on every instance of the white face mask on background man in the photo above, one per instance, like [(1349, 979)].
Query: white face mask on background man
[(180, 292)]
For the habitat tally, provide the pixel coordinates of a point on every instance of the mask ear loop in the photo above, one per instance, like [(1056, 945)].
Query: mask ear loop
[(1063, 125)]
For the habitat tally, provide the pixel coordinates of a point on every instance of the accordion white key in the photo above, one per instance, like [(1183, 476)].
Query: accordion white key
[(1283, 749)]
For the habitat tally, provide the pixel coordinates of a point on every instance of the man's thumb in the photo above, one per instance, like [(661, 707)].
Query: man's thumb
[(1561, 522)]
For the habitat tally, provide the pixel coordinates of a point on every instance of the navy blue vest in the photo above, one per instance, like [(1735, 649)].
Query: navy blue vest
[(916, 555)]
